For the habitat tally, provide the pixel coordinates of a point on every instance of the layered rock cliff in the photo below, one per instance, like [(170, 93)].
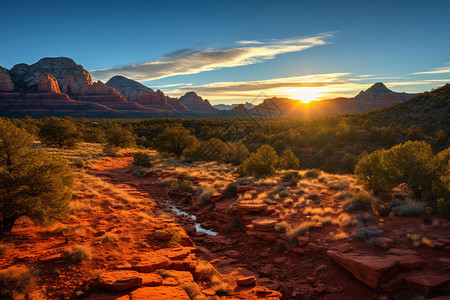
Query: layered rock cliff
[(196, 103)]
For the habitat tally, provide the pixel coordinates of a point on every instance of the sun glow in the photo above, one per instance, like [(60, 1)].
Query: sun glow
[(306, 94)]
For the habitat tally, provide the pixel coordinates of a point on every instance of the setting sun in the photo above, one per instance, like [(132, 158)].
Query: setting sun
[(305, 95)]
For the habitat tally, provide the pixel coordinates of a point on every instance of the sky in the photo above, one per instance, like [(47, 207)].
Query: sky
[(239, 51)]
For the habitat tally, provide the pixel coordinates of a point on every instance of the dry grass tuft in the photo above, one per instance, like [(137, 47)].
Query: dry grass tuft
[(78, 254), (17, 282)]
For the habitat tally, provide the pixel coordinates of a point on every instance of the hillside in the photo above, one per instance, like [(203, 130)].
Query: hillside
[(430, 110)]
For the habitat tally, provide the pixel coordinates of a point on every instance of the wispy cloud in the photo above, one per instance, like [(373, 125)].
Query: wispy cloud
[(441, 70), (191, 61), (249, 42), (171, 85)]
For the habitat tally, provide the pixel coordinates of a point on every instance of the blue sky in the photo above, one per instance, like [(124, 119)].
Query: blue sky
[(230, 51)]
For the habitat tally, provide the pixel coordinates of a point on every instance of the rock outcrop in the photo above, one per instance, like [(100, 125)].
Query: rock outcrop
[(6, 84), (48, 84), (137, 92), (196, 103)]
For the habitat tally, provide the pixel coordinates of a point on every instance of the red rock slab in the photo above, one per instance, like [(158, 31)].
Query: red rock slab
[(427, 281), (159, 293), (263, 235), (408, 262), (151, 263), (181, 276), (119, 280), (170, 281), (402, 251), (151, 279), (264, 224), (372, 270), (394, 284), (252, 207), (246, 281)]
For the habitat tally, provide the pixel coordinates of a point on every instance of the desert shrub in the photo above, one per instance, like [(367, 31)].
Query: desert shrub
[(444, 207), (141, 171), (347, 163), (78, 254), (312, 173), (166, 181), (179, 187), (314, 196), (362, 219), (300, 229), (210, 150), (110, 150), (231, 190), (120, 137), (17, 282), (32, 182), (292, 178), (221, 287), (411, 208), (175, 236), (343, 195), (282, 227), (205, 191), (175, 139), (262, 162), (405, 163), (204, 270), (192, 289), (382, 209), (142, 159), (418, 240), (365, 233), (237, 153), (289, 161), (109, 237), (338, 185), (426, 217), (359, 201), (59, 132)]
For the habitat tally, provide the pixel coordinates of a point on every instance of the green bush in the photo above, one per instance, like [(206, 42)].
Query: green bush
[(411, 208), (359, 201), (262, 162), (32, 182), (179, 187), (237, 153), (59, 132), (292, 178), (382, 209), (175, 139), (120, 137), (142, 159), (289, 161)]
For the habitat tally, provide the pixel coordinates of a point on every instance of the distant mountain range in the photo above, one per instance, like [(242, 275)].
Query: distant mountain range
[(60, 87), (231, 106)]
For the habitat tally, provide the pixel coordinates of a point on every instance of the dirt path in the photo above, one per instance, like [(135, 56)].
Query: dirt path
[(296, 276)]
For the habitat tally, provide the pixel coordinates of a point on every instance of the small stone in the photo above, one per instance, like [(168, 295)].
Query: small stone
[(344, 248), (303, 240), (162, 235), (246, 281)]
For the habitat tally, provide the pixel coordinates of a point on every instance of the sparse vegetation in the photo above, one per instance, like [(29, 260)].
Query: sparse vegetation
[(359, 201), (179, 187), (17, 282), (366, 233), (142, 159), (32, 183), (78, 254), (411, 208)]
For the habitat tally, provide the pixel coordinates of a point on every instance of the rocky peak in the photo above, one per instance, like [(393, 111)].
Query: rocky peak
[(6, 84), (375, 92), (48, 84), (191, 98), (60, 67), (136, 92)]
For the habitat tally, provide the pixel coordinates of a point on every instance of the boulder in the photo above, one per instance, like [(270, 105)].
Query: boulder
[(266, 270), (251, 207), (344, 248), (151, 263), (371, 270), (162, 235), (264, 224), (119, 280), (151, 279), (246, 281)]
